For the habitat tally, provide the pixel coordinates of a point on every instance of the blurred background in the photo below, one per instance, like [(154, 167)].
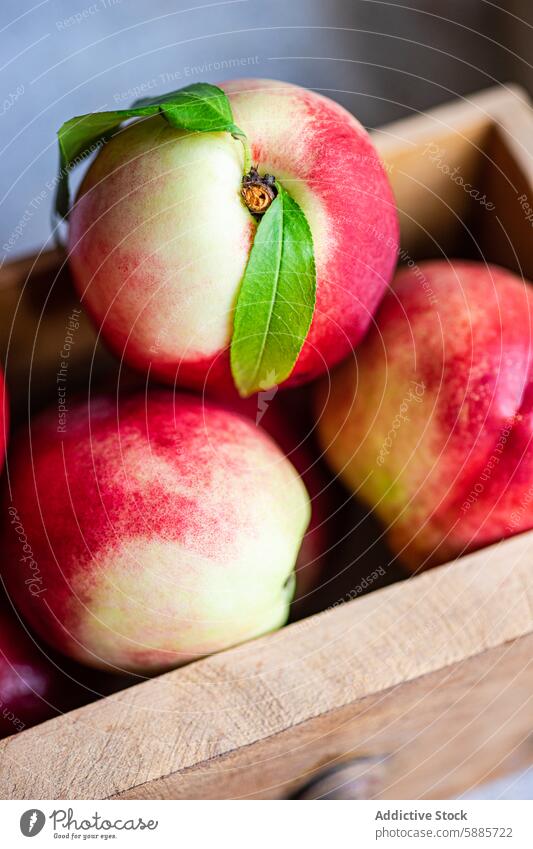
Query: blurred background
[(381, 60)]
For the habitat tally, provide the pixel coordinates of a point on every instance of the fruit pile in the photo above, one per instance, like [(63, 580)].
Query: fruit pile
[(232, 244)]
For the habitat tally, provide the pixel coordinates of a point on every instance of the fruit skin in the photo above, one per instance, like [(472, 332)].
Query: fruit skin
[(170, 528), (159, 236), (4, 420), (431, 423), (35, 685)]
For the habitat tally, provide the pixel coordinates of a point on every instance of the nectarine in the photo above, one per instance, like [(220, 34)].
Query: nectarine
[(159, 529)]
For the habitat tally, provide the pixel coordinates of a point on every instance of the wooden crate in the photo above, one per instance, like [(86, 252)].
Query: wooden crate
[(423, 686)]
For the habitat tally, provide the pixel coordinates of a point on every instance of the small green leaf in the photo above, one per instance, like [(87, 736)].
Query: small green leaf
[(200, 107), (276, 298)]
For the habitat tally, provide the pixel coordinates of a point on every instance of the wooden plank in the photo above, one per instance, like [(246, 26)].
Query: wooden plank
[(156, 738), (437, 736), (483, 107), (506, 233), (36, 301)]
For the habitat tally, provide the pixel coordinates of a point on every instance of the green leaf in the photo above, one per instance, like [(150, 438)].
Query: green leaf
[(276, 298), (200, 107)]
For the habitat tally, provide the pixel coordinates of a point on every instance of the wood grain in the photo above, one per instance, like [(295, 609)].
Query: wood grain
[(430, 679), (437, 736), (359, 677), (36, 300)]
